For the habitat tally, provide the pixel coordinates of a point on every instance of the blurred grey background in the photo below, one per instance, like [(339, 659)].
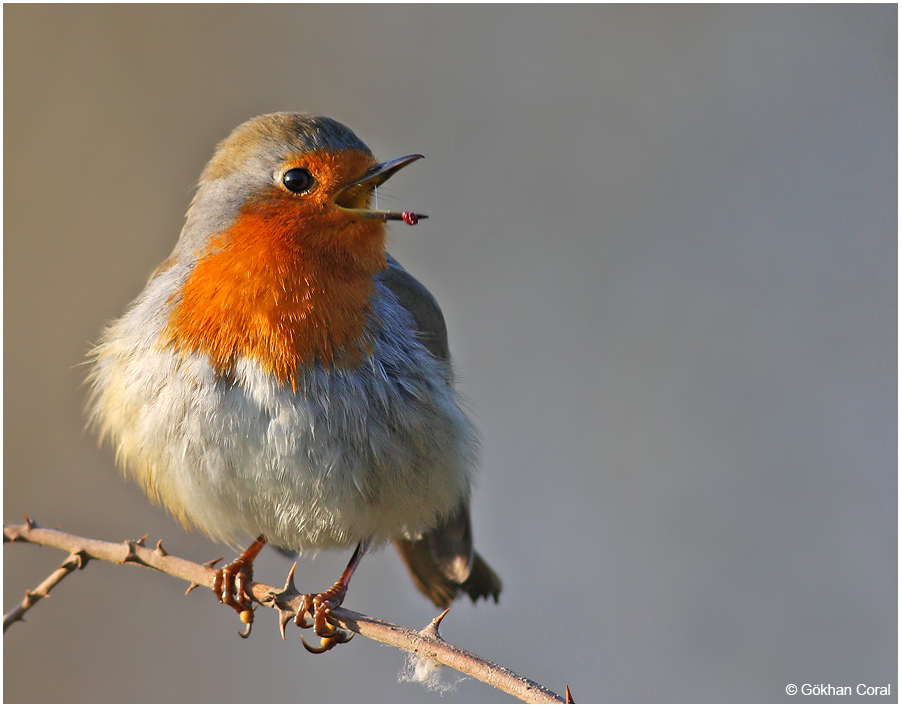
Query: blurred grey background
[(665, 242)]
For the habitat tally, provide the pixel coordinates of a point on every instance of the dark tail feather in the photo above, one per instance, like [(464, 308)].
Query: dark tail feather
[(429, 579), (483, 581)]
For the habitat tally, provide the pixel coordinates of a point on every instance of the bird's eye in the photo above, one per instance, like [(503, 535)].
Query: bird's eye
[(297, 180)]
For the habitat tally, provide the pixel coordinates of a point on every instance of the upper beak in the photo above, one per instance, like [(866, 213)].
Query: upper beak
[(351, 196)]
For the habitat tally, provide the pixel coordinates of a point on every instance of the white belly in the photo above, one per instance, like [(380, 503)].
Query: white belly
[(364, 453)]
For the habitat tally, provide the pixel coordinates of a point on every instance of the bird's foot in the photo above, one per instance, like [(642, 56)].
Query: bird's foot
[(317, 606), (232, 582)]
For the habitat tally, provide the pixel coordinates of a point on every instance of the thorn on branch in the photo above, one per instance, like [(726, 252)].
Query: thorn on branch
[(289, 581), (159, 550), (131, 553), (282, 599), (84, 549), (568, 697), (430, 631), (209, 564), (285, 616), (76, 561)]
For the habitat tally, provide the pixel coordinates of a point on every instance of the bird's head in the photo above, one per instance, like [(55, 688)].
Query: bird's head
[(286, 244), (309, 175)]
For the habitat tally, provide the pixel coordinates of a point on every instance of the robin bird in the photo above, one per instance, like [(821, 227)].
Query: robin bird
[(282, 377)]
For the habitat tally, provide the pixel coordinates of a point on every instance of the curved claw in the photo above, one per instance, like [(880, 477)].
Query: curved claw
[(247, 616), (326, 645), (319, 606), (321, 624), (327, 631), (318, 610), (340, 636), (301, 622)]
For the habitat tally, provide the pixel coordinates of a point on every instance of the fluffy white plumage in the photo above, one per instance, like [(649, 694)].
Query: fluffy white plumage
[(367, 453)]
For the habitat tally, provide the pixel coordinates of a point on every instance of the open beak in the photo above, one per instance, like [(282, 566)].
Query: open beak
[(355, 196)]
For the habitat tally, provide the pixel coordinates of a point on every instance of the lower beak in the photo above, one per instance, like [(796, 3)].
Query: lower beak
[(352, 196)]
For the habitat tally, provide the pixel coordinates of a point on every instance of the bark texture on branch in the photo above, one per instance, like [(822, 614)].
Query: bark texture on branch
[(426, 644)]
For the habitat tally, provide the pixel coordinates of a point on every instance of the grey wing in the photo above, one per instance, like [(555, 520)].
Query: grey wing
[(442, 562), (418, 301)]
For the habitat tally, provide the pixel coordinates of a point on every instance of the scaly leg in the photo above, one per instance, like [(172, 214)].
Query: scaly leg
[(231, 584), (318, 606)]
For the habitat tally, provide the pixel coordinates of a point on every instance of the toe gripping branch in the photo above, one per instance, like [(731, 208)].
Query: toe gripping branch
[(232, 583), (318, 606)]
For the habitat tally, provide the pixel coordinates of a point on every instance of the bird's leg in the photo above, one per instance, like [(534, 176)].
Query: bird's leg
[(232, 582), (318, 606)]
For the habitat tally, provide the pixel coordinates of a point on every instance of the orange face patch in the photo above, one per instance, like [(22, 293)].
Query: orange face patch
[(289, 282), (331, 171)]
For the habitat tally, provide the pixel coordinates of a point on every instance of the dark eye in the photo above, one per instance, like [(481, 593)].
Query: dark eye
[(297, 180)]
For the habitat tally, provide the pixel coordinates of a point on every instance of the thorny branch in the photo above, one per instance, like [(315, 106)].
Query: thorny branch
[(426, 643), (75, 561)]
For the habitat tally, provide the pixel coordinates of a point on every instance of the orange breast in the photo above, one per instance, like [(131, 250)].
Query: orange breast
[(282, 286)]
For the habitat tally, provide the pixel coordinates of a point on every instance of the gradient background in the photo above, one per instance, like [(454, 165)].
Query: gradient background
[(665, 242)]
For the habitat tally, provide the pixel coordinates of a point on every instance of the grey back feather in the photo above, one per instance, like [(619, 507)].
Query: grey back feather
[(442, 562)]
